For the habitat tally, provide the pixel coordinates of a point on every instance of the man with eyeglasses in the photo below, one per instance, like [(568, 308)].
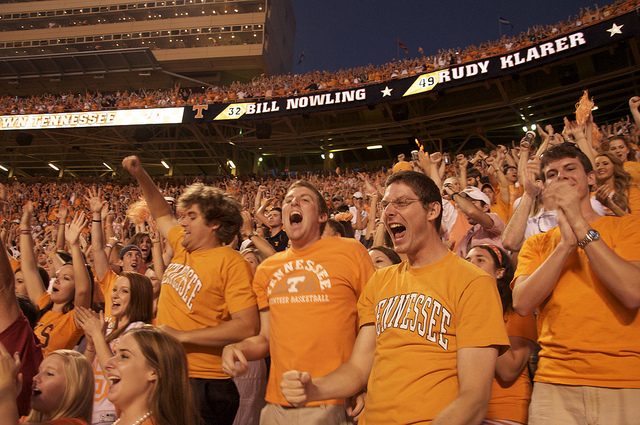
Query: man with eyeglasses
[(431, 328), (583, 277)]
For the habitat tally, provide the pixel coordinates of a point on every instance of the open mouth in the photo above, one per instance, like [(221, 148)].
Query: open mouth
[(397, 229), (295, 217), (114, 380), (35, 392)]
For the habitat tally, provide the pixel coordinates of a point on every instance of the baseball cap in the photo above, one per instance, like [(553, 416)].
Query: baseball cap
[(127, 249), (358, 195), (476, 194)]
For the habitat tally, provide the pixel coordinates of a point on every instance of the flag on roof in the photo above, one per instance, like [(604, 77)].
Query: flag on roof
[(403, 46), (505, 22)]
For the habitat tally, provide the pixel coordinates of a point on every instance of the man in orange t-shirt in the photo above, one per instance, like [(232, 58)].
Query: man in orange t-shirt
[(307, 297), (584, 278), (206, 300), (431, 328)]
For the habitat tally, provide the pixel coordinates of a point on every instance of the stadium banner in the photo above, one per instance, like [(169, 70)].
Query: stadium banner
[(92, 119), (572, 43), (536, 55)]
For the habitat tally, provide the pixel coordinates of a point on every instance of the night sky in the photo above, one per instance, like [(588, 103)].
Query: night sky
[(340, 34)]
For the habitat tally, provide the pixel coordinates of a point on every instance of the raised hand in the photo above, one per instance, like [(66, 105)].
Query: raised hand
[(74, 228), (95, 201), (132, 165)]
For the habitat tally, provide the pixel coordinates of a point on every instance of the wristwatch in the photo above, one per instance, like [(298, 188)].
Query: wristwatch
[(592, 235), (252, 234)]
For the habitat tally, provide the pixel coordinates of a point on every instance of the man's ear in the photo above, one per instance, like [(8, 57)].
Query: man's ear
[(434, 210), (591, 178)]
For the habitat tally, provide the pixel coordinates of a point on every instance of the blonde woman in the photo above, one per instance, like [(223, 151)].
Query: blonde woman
[(62, 389)]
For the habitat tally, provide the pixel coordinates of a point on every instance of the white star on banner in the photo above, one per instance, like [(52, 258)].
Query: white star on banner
[(615, 29), (386, 91)]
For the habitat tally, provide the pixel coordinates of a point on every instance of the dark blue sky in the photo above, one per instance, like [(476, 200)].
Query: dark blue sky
[(337, 34)]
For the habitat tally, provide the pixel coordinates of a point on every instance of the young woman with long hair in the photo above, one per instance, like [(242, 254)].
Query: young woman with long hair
[(131, 307), (71, 288), (614, 187), (149, 380), (511, 390), (61, 392)]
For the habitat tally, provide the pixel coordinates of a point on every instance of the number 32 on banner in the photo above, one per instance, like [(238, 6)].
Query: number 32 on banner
[(423, 84), (232, 112)]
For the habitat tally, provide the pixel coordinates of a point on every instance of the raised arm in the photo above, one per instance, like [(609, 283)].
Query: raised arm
[(82, 279), (9, 310), (634, 104), (156, 241), (100, 258), (158, 206), (473, 212), (513, 234), (28, 264), (63, 211), (463, 163), (247, 231)]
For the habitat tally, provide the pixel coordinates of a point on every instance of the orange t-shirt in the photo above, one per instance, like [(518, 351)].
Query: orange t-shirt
[(422, 317), (511, 401), (312, 296), (587, 336), (201, 289), (56, 331)]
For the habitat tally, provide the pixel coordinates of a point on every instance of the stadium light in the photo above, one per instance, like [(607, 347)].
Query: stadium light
[(54, 167), (165, 164), (372, 147), (3, 168)]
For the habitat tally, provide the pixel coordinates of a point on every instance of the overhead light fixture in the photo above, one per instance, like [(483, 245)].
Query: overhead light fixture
[(259, 160), (533, 127), (231, 164), (54, 167), (6, 169), (372, 147), (595, 108), (165, 164), (525, 128), (330, 155), (322, 156), (107, 165)]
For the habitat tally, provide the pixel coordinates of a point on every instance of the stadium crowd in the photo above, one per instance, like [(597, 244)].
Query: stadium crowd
[(169, 288), (289, 85)]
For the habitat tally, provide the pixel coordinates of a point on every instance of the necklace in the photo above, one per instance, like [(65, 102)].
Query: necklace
[(139, 421)]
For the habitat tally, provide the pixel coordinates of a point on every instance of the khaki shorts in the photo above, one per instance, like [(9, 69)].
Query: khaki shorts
[(330, 414), (583, 405)]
